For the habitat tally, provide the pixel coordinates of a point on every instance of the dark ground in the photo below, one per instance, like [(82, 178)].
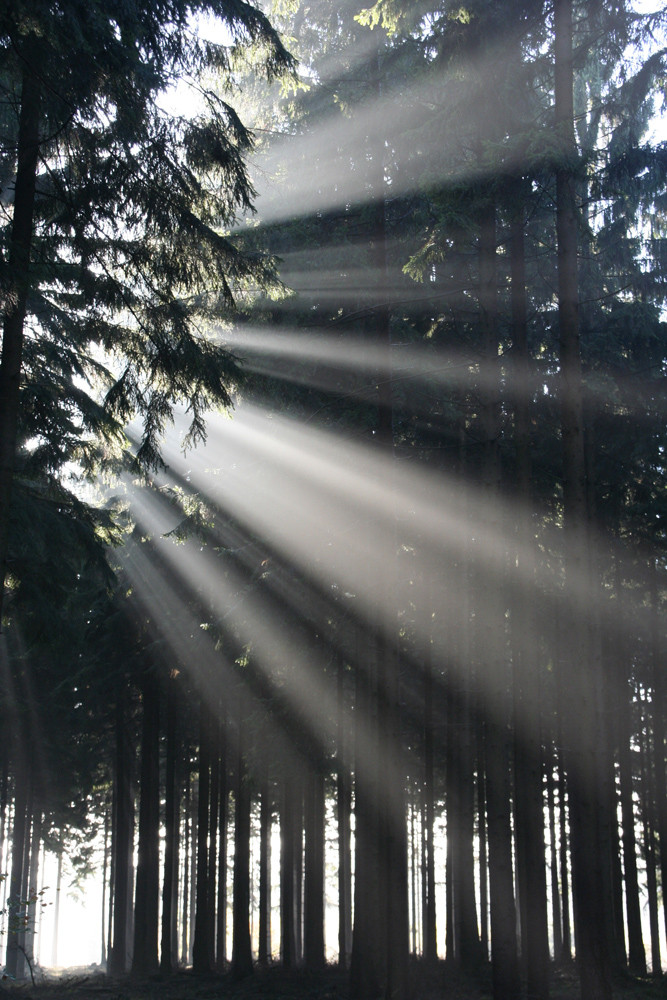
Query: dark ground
[(277, 984)]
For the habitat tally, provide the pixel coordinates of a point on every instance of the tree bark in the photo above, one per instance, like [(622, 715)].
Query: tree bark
[(145, 953), (168, 941), (241, 947), (580, 722), (201, 949), (122, 844), (20, 245), (265, 823), (288, 951), (314, 870), (221, 926)]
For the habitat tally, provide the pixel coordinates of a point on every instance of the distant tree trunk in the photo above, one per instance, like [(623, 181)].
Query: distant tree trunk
[(201, 948), (56, 910), (168, 946), (145, 955), (16, 298), (648, 832), (556, 920), (33, 909), (187, 851), (214, 816), (367, 968), (241, 947), (659, 714), (636, 952), (105, 886), (344, 808), (566, 953), (221, 927), (314, 869), (265, 817), (494, 682), (529, 804), (430, 927), (287, 871), (122, 838), (483, 839), (580, 721)]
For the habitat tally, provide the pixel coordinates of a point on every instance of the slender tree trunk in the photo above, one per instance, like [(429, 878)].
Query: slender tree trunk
[(659, 714), (122, 839), (566, 953), (214, 816), (221, 927), (265, 817), (187, 838), (367, 971), (201, 948), (314, 870), (344, 807), (636, 952), (105, 886), (16, 296), (287, 872), (529, 805), (32, 912), (56, 909), (580, 722), (430, 928), (648, 832), (145, 954), (556, 920), (241, 947), (494, 683), (168, 948)]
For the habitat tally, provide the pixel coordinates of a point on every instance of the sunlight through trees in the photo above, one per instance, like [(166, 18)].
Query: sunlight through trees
[(332, 489)]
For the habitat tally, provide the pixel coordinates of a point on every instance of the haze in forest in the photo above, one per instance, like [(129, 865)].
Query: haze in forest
[(332, 492)]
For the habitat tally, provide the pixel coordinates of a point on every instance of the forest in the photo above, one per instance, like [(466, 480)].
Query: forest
[(333, 547)]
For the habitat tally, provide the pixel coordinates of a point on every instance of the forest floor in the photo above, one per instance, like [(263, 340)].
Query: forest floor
[(275, 983)]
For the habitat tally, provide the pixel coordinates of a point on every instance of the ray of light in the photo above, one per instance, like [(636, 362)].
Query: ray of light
[(258, 625), (338, 509), (402, 123)]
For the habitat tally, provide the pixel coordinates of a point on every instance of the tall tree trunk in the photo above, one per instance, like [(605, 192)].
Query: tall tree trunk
[(16, 295), (580, 722), (556, 922), (265, 818), (566, 953), (56, 909), (636, 952), (367, 970), (168, 946), (122, 844), (287, 872), (147, 893), (659, 714), (648, 832), (529, 805), (430, 929), (32, 909), (221, 926), (105, 885), (241, 947), (214, 816), (344, 808), (201, 948), (187, 852), (494, 682), (19, 833), (314, 869)]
